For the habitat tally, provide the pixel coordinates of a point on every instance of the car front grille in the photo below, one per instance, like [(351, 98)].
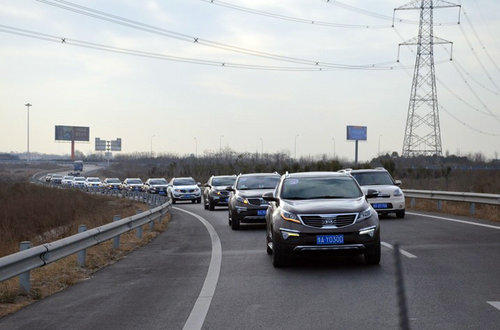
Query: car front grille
[(187, 191), (256, 201), (328, 220)]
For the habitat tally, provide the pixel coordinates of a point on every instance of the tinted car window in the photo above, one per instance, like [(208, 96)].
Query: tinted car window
[(134, 181), (257, 182), (158, 182), (373, 178), (113, 181), (223, 181), (184, 182), (316, 188)]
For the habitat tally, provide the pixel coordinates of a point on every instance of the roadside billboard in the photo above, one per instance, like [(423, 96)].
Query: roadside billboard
[(72, 133), (357, 133), (100, 145), (116, 145)]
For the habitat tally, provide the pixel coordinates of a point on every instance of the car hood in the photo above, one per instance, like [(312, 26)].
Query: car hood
[(185, 187), (326, 206), (253, 192), (383, 189), (159, 185)]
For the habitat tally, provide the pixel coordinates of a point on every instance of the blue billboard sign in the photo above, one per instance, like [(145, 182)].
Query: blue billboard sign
[(357, 133)]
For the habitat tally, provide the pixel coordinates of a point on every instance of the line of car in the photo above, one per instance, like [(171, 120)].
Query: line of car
[(311, 212)]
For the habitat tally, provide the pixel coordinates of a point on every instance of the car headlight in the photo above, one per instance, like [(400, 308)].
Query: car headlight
[(289, 216), (242, 200), (177, 190), (397, 192), (364, 215)]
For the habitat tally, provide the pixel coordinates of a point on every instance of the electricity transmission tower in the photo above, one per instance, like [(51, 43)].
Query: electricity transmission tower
[(422, 132)]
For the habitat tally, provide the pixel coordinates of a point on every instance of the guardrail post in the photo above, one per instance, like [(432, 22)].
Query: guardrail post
[(472, 209), (82, 253), (152, 222), (24, 278), (412, 203), (116, 240), (139, 229), (439, 204)]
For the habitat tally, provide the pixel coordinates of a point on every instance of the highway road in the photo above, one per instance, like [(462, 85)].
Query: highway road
[(201, 274)]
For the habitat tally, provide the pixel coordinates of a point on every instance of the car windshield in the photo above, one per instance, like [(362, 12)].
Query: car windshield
[(319, 188), (68, 178), (257, 182), (158, 181), (134, 181), (184, 182), (113, 181), (93, 180), (81, 178), (57, 177), (223, 181), (373, 178)]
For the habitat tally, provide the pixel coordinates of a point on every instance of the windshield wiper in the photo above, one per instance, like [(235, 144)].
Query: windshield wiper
[(327, 197)]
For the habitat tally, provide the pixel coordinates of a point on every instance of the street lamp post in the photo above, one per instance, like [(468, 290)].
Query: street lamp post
[(295, 148), (220, 143), (379, 144), (195, 147), (152, 136), (28, 105), (333, 138), (261, 147)]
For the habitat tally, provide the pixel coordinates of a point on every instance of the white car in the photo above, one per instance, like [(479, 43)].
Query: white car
[(156, 186), (184, 189), (67, 180), (78, 182), (390, 197), (112, 183), (132, 184), (93, 182)]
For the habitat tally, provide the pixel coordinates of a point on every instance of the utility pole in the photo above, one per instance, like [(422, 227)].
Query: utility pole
[(28, 105), (422, 132)]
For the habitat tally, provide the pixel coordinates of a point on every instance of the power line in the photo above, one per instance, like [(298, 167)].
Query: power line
[(293, 19), (192, 39), (151, 55)]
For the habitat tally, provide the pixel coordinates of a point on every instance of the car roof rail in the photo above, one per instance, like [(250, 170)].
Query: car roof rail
[(380, 168)]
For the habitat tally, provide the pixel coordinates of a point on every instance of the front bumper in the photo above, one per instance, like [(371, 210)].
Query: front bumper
[(187, 196), (250, 214), (386, 205)]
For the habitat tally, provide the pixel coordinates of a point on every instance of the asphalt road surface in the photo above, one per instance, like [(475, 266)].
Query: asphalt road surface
[(201, 274)]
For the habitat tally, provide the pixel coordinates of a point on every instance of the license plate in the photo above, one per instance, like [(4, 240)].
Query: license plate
[(261, 212), (330, 239), (187, 196), (379, 205)]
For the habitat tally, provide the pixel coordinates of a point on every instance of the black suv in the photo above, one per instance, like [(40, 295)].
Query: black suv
[(215, 193), (245, 202), (321, 212)]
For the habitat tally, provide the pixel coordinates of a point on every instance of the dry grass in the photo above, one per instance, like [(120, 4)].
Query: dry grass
[(482, 211), (42, 214), (57, 276)]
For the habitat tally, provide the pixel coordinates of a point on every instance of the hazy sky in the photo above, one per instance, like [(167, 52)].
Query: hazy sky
[(176, 106)]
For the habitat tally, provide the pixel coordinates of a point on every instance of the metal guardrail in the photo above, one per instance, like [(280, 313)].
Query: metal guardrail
[(454, 196), (26, 260)]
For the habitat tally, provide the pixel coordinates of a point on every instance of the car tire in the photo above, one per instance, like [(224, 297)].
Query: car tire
[(372, 255), (235, 223), (198, 200), (193, 201), (279, 257), (173, 200), (400, 214), (205, 205), (211, 205)]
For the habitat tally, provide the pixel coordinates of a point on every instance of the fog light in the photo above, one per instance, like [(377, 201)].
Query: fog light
[(368, 231), (286, 233)]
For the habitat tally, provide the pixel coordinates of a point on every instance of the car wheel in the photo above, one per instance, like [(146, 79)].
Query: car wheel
[(278, 256), (235, 223), (205, 205), (198, 200), (173, 200), (193, 201), (211, 205), (372, 255), (400, 214), (229, 217)]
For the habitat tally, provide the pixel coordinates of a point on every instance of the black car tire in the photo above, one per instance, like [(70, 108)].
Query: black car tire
[(193, 201), (278, 256), (372, 255), (173, 200), (235, 223), (211, 205), (400, 214), (205, 203), (198, 200)]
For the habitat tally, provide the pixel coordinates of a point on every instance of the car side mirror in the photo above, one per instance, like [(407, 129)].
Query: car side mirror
[(269, 197), (371, 193), (230, 188), (206, 185), (398, 182)]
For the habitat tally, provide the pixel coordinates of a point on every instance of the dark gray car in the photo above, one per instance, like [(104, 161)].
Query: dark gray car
[(215, 193), (320, 212), (246, 204)]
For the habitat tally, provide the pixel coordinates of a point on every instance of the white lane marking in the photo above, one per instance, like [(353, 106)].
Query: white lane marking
[(200, 308), (495, 304), (454, 220), (403, 252)]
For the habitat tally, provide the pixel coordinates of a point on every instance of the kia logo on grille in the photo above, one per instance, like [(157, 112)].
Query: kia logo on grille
[(329, 221)]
